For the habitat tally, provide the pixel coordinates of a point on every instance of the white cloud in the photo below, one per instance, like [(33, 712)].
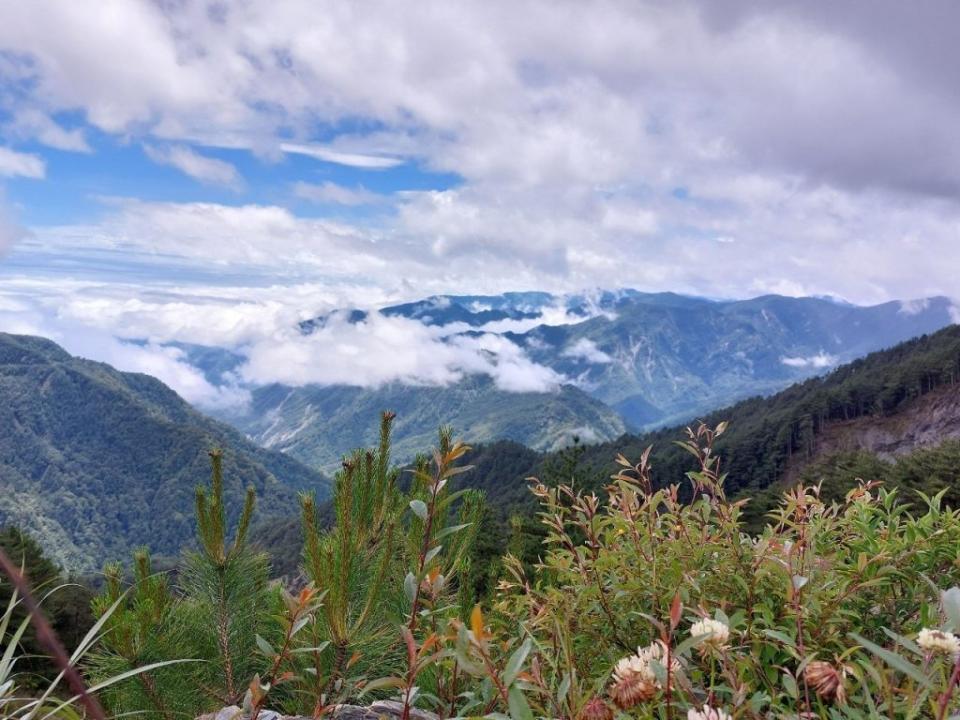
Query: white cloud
[(17, 164), (207, 170), (260, 325), (10, 229), (819, 361), (914, 307), (348, 353), (587, 350), (30, 123), (570, 128), (328, 154), (333, 194), (167, 364)]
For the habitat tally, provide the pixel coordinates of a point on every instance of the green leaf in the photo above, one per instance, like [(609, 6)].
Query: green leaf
[(904, 642), (519, 709), (450, 530), (790, 685), (380, 683), (780, 637), (431, 554), (318, 649), (659, 671), (419, 508), (264, 646), (951, 606), (564, 688), (516, 661), (894, 661), (299, 625), (410, 586)]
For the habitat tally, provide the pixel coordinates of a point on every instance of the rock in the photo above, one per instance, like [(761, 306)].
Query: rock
[(388, 709), (379, 710)]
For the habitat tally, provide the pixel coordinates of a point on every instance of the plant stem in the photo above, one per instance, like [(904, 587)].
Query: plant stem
[(48, 638), (948, 692)]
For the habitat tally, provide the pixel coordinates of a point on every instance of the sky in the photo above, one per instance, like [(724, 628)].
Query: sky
[(212, 172)]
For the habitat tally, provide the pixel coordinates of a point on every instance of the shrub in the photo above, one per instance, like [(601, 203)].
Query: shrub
[(642, 604)]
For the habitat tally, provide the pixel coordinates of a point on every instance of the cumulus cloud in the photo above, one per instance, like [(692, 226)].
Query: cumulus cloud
[(168, 364), (914, 307), (955, 313), (17, 164), (668, 146), (262, 327), (352, 353), (207, 170), (819, 361)]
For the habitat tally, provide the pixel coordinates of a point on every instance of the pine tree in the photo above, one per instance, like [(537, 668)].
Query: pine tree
[(225, 588), (355, 564)]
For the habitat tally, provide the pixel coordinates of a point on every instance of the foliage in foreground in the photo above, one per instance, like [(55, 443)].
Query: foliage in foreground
[(642, 605)]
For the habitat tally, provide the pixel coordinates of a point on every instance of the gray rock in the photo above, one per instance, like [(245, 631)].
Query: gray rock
[(379, 710)]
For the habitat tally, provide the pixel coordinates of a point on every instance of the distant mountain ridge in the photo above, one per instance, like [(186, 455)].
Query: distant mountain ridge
[(317, 424), (94, 462), (890, 402), (653, 359), (898, 403)]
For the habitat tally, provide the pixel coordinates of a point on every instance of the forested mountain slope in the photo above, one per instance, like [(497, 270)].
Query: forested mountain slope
[(902, 399), (766, 435), (317, 425), (891, 402), (94, 462), (628, 360)]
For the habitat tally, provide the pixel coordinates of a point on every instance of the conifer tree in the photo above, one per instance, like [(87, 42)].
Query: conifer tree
[(354, 565), (139, 633), (225, 588)]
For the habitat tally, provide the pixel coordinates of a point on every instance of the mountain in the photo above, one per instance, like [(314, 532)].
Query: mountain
[(94, 462), (661, 358), (893, 415), (317, 425), (891, 402), (631, 360)]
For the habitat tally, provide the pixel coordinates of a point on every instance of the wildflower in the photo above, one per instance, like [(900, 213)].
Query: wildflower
[(707, 713), (715, 633), (939, 641), (826, 680), (633, 682), (595, 709), (658, 651)]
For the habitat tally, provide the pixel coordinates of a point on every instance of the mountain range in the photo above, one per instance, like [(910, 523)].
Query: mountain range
[(629, 361), (96, 462), (893, 415)]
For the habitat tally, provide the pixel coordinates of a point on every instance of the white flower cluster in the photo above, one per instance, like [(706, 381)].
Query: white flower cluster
[(631, 667), (707, 713), (939, 641), (715, 633)]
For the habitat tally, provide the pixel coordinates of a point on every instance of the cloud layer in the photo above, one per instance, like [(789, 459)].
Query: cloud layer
[(364, 153)]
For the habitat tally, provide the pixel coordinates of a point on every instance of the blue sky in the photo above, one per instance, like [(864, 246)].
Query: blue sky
[(213, 172)]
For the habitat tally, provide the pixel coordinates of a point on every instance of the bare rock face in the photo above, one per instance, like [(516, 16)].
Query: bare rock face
[(380, 710), (925, 422)]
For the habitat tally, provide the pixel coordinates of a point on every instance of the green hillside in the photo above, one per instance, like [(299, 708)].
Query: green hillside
[(764, 437), (317, 425), (94, 462), (765, 434)]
